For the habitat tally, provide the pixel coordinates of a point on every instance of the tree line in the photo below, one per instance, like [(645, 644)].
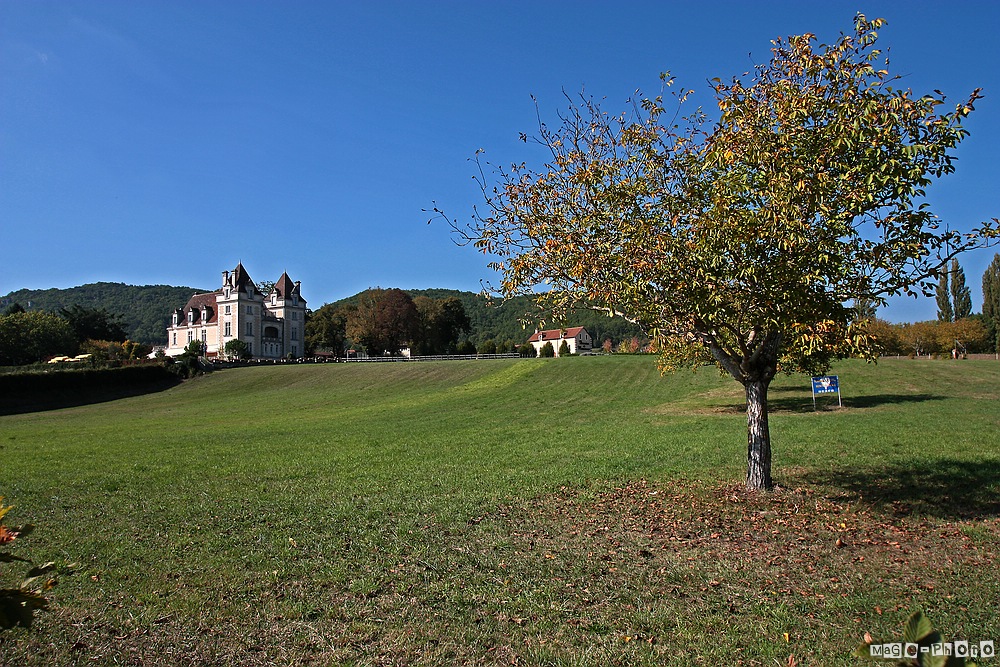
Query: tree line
[(28, 337), (385, 321)]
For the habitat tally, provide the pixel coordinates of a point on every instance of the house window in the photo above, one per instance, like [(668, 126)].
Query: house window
[(204, 336), (295, 333), (249, 310), (190, 336), (191, 317), (175, 338), (249, 328), (228, 310), (175, 319), (295, 316), (229, 327)]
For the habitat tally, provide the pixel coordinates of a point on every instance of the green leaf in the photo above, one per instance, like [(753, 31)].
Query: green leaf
[(917, 627)]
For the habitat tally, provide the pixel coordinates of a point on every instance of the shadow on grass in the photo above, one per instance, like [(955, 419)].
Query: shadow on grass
[(36, 401), (943, 488), (804, 403)]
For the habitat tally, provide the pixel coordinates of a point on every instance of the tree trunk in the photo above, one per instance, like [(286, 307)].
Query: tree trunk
[(758, 437)]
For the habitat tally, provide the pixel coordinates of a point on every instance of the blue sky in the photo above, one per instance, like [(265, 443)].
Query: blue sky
[(161, 142)]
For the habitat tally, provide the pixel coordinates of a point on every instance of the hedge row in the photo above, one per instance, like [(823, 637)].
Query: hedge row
[(21, 392)]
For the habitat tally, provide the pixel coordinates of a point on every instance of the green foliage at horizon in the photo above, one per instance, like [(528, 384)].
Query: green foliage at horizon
[(501, 321), (144, 310)]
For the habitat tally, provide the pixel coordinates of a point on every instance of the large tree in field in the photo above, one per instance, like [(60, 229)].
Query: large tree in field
[(384, 321), (741, 241)]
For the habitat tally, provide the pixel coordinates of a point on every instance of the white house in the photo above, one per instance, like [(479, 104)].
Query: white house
[(272, 325), (577, 339)]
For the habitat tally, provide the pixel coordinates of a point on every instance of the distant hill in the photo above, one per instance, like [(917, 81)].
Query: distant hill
[(145, 309), (500, 322)]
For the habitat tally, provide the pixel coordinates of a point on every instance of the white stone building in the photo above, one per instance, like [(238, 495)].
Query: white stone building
[(577, 339), (272, 326)]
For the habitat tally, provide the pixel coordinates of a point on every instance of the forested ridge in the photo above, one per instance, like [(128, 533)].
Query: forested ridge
[(145, 310), (500, 321)]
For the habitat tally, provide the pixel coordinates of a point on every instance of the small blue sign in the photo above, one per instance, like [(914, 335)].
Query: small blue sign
[(826, 384)]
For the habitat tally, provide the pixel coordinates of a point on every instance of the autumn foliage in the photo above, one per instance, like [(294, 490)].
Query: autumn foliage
[(739, 240)]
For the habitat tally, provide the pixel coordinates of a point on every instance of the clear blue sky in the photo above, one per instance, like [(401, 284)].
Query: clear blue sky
[(161, 142)]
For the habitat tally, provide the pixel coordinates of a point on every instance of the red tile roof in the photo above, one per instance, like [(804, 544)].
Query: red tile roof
[(555, 334)]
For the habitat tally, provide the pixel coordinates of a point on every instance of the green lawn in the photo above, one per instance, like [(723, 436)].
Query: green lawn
[(580, 511)]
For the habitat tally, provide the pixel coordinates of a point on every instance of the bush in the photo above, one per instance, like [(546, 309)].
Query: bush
[(547, 351), (18, 604), (564, 349), (236, 348), (466, 347), (488, 346), (527, 350)]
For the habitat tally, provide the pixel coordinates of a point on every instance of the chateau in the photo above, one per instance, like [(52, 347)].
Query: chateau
[(272, 325)]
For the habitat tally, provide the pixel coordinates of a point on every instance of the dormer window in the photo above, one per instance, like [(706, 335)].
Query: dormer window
[(175, 318), (191, 316)]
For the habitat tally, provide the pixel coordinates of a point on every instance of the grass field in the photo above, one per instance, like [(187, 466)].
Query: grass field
[(579, 511)]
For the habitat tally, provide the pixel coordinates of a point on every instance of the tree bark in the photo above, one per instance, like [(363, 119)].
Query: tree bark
[(758, 437)]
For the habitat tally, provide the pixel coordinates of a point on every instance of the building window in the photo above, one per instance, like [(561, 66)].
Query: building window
[(229, 327), (295, 333), (191, 316), (295, 350), (250, 348), (249, 328), (190, 336), (295, 315), (204, 336), (249, 310), (175, 338), (229, 310)]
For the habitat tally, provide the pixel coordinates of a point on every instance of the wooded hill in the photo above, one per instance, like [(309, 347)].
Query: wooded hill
[(145, 310), (500, 322)]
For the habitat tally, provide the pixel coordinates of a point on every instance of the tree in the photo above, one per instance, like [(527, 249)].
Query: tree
[(94, 324), (740, 242), (564, 349), (327, 329), (236, 349), (942, 294), (920, 338), (961, 297), (29, 337), (384, 321), (991, 299), (441, 323), (265, 286), (547, 350)]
